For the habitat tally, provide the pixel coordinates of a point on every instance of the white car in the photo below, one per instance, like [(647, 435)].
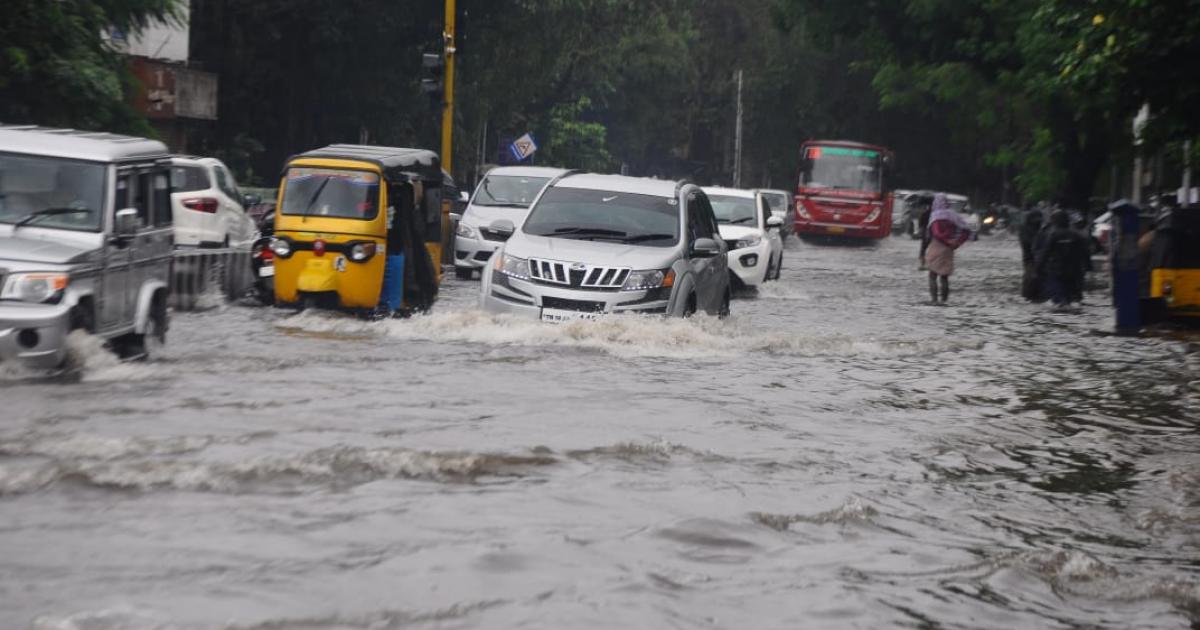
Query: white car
[(752, 233), (504, 193), (208, 209)]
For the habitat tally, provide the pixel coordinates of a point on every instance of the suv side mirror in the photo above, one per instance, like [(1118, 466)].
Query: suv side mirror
[(774, 222), (127, 222), (251, 200), (503, 228), (705, 248), (464, 197)]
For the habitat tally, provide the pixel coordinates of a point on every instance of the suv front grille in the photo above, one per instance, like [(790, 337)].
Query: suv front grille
[(577, 275), (583, 306)]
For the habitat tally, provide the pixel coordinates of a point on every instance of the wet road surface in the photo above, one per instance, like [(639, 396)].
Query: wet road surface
[(836, 455)]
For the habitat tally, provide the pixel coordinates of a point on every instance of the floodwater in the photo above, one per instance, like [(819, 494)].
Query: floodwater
[(836, 455)]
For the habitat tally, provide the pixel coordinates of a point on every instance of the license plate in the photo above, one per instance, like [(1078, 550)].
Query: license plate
[(835, 230), (559, 316), (266, 271)]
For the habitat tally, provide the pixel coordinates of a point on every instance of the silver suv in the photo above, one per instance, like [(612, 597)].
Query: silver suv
[(595, 244), (505, 192), (85, 241)]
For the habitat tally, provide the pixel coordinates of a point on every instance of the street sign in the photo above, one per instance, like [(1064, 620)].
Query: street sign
[(523, 147)]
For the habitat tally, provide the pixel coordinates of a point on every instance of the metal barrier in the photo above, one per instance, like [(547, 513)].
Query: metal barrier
[(206, 278)]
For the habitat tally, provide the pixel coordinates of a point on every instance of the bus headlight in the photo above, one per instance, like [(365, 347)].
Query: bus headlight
[(874, 215)]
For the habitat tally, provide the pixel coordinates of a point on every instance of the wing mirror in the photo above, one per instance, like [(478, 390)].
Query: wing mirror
[(455, 217), (251, 200), (705, 248), (774, 222), (127, 222), (502, 228)]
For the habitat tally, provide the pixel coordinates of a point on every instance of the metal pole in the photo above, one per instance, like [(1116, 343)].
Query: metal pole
[(448, 104), (737, 142), (1187, 174)]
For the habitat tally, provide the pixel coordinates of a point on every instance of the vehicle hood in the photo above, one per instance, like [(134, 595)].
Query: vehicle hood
[(591, 252), (28, 250), (735, 232), (483, 216)]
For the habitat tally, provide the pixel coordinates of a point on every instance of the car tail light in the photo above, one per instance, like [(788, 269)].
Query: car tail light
[(318, 247), (201, 204), (267, 254)]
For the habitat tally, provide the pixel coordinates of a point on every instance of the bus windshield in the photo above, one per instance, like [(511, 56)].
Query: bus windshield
[(840, 168)]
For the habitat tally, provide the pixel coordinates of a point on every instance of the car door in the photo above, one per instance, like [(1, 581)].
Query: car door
[(152, 248), (705, 269), (773, 235), (112, 305)]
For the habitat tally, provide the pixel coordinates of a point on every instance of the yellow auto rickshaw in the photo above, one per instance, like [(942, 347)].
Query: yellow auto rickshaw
[(358, 228), (1175, 263)]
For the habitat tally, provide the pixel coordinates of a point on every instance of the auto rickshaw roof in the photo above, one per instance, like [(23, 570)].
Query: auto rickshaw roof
[(396, 162)]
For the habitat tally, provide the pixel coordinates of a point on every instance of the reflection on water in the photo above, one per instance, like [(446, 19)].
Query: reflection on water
[(836, 454)]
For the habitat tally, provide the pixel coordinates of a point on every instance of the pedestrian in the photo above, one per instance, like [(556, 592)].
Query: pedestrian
[(1062, 260), (1031, 227), (924, 209), (948, 230)]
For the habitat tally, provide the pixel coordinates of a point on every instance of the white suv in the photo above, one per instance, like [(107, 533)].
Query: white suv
[(751, 232), (208, 208), (505, 193)]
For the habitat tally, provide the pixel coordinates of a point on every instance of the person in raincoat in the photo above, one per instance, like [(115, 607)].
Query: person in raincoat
[(1062, 260), (948, 230), (1031, 228)]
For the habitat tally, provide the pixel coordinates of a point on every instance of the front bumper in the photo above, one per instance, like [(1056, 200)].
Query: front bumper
[(525, 298), (841, 229), (34, 335), (750, 264), (473, 252)]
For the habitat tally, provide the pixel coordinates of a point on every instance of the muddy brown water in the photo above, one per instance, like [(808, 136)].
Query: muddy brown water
[(836, 455)]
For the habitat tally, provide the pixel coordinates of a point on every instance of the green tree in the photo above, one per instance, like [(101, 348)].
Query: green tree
[(56, 68)]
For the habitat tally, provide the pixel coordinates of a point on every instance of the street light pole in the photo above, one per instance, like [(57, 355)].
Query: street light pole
[(737, 143)]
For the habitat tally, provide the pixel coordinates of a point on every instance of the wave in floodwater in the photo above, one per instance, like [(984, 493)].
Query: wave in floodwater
[(622, 336), (852, 512), (39, 460)]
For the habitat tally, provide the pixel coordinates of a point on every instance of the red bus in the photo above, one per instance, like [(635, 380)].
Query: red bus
[(843, 190)]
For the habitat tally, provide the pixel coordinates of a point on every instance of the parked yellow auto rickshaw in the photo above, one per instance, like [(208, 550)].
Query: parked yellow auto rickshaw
[(1175, 263), (359, 228)]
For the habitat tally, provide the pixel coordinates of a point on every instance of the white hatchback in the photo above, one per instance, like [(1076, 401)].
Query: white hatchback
[(207, 207), (752, 233)]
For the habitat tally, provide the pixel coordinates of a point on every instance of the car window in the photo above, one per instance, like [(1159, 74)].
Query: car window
[(605, 215), (189, 178), (764, 210), (162, 199), (508, 191), (733, 210), (700, 224), (225, 183), (73, 191), (136, 190)]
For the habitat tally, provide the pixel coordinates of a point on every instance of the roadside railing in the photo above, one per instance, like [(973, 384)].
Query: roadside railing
[(202, 279)]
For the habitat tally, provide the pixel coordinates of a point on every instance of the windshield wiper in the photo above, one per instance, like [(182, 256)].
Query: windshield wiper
[(641, 238), (503, 204), (48, 212), (741, 220), (313, 200)]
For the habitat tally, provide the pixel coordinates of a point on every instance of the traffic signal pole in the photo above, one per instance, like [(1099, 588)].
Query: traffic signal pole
[(448, 90)]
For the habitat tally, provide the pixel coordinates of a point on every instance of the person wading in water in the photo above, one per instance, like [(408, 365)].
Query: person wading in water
[(948, 230)]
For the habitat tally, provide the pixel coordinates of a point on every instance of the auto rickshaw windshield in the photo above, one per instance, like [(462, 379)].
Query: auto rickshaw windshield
[(331, 192)]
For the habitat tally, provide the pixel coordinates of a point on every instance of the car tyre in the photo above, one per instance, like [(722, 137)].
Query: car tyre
[(142, 346), (724, 312)]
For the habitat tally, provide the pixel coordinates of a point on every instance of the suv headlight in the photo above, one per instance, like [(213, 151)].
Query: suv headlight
[(749, 241), (34, 287), (651, 279), (513, 266), (465, 230)]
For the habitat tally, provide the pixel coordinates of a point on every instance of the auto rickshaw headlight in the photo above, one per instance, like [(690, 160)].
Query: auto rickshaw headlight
[(281, 247), (362, 252)]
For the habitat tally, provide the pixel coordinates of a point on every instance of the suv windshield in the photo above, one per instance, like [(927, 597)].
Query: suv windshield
[(331, 192), (508, 191), (604, 215), (842, 168), (733, 210), (51, 192)]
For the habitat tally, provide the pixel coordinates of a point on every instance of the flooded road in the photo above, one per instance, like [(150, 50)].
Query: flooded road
[(836, 455)]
